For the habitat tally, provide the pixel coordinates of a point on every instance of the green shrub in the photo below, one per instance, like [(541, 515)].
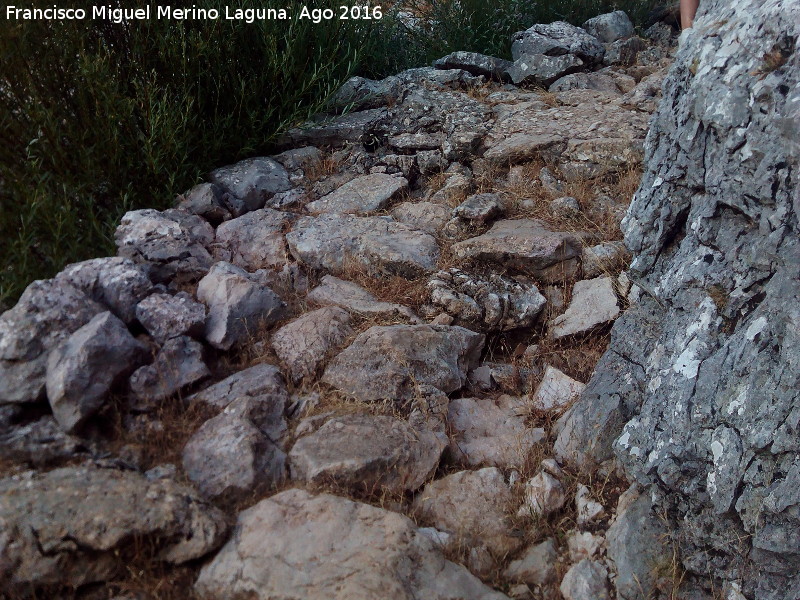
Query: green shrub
[(98, 118)]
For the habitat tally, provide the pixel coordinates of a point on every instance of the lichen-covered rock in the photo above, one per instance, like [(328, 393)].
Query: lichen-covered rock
[(377, 244), (390, 362), (67, 526), (526, 245), (165, 316), (704, 405), (362, 195), (251, 182), (541, 70), (47, 313), (166, 247), (425, 216), (499, 303), (82, 371), (254, 240), (367, 453), (369, 553), (305, 343), (238, 303)]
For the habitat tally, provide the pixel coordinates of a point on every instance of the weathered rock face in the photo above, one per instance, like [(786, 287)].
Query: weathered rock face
[(708, 394), (369, 553), (64, 527)]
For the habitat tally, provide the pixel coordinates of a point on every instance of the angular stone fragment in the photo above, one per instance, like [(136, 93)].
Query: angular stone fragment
[(520, 147), (251, 182), (474, 63), (294, 159), (165, 316), (177, 365), (582, 544), (536, 565), (557, 39), (239, 451), (47, 313), (170, 250), (369, 553), (304, 344), (587, 509), (556, 390), (390, 362), (376, 244), (490, 432), (237, 305), (206, 200), (610, 27), (334, 131), (367, 453), (479, 208), (524, 244), (67, 526), (262, 382), (600, 82), (588, 580), (41, 443), (602, 258), (473, 505), (499, 303), (541, 70), (544, 494), (593, 302), (425, 216), (410, 142), (254, 240), (362, 195), (118, 283), (338, 292), (82, 371)]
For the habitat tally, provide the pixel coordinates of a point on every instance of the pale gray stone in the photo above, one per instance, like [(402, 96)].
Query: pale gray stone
[(474, 63), (536, 565), (557, 39), (610, 27), (305, 343), (556, 390), (263, 382), (367, 453), (603, 258), (205, 200), (479, 208), (425, 216), (251, 182), (541, 70), (601, 82), (473, 505), (593, 303), (369, 553), (566, 206), (165, 316), (65, 527), (41, 443), (587, 580), (83, 370), (178, 365), (362, 195), (238, 304), (254, 240), (338, 292), (588, 510), (582, 544), (544, 494), (388, 363)]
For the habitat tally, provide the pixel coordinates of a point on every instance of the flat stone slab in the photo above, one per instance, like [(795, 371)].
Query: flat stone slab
[(296, 546), (353, 297), (556, 390), (362, 195), (593, 302)]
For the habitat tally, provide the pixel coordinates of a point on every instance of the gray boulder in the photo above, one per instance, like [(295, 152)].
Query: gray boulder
[(610, 27), (376, 244), (83, 370), (254, 240), (587, 580), (704, 406), (526, 245), (362, 195), (367, 453), (334, 131), (304, 344), (262, 382), (46, 314), (68, 526), (542, 70), (206, 200), (369, 553), (479, 208), (388, 363), (168, 249), (251, 183), (429, 217), (474, 63), (118, 283), (536, 565), (239, 451), (165, 316), (237, 305), (178, 365), (557, 39)]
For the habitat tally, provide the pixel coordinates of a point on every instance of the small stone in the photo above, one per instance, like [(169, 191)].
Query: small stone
[(583, 544), (535, 566), (362, 195), (601, 259), (556, 390), (205, 200), (566, 206), (587, 580), (479, 208), (338, 292), (594, 302), (476, 64), (541, 70), (263, 382), (178, 365), (550, 182), (165, 316), (425, 216), (588, 510), (551, 466), (442, 319), (251, 182), (304, 344), (544, 495)]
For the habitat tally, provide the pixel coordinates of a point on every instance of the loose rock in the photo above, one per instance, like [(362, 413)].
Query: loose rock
[(253, 241), (536, 565), (334, 291), (588, 580), (593, 302), (362, 195), (556, 390), (178, 365), (165, 316), (251, 182)]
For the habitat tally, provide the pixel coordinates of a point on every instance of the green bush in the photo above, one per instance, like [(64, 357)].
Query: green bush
[(98, 118)]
